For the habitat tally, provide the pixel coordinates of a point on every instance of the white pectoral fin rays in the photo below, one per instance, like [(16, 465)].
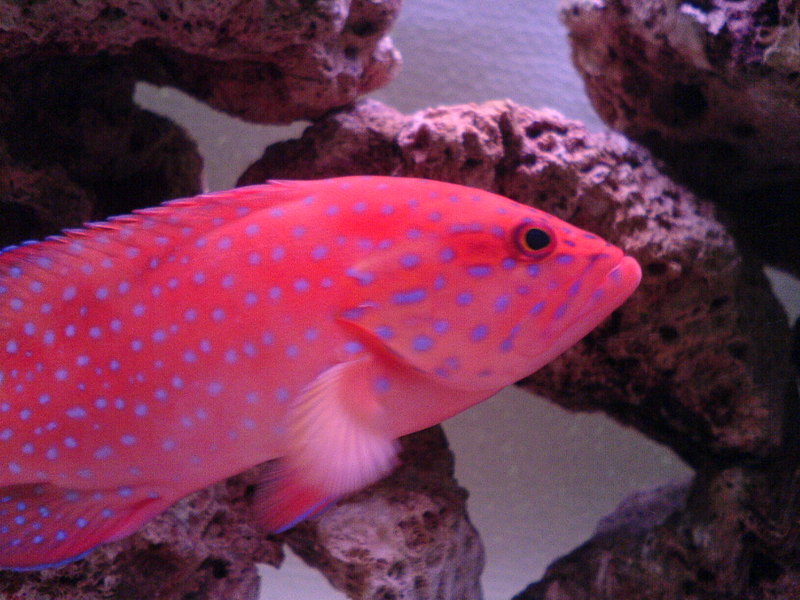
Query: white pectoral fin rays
[(338, 444)]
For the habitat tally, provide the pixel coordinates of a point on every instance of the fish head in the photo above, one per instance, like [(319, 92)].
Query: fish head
[(491, 290)]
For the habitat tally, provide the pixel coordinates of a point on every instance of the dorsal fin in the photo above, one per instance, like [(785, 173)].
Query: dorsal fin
[(132, 243), (199, 213)]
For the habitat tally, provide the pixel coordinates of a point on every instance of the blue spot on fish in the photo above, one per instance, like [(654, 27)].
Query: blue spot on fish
[(502, 303), (508, 263), (409, 261), (382, 384), (353, 347), (479, 333), (385, 332), (479, 271), (76, 413), (422, 343), (409, 296), (363, 277), (561, 311), (464, 298)]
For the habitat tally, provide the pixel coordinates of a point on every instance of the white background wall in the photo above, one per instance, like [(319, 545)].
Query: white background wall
[(539, 477)]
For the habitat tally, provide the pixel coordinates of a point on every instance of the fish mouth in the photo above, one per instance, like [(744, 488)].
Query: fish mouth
[(610, 291), (617, 285), (623, 281)]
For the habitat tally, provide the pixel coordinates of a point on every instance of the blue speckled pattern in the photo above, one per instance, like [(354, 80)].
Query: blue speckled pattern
[(150, 355)]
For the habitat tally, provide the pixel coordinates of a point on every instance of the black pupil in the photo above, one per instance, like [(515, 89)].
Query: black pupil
[(536, 239)]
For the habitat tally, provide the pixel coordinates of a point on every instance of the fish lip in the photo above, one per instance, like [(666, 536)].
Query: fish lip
[(624, 278), (629, 271)]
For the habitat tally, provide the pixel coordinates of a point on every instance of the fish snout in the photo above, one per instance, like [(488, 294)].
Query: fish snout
[(623, 279), (603, 287)]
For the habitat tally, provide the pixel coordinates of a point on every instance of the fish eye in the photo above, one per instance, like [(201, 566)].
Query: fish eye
[(535, 240)]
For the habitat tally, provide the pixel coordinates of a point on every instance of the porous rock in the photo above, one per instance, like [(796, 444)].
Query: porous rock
[(712, 88), (698, 358), (728, 535), (273, 61), (408, 536)]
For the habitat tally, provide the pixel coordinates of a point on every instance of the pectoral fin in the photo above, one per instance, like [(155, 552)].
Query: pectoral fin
[(338, 444)]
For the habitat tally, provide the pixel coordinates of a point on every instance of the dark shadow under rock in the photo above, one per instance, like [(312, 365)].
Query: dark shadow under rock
[(70, 129), (35, 203)]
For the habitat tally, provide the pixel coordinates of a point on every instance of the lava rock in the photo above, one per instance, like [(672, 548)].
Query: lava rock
[(711, 88), (698, 358), (271, 62)]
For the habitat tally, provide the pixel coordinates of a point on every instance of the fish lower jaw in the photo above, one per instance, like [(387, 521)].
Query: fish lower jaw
[(621, 282)]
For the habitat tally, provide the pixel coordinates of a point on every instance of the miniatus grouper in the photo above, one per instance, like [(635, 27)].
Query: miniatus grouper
[(148, 356)]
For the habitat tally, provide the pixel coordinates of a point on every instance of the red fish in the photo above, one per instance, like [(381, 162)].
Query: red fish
[(148, 356)]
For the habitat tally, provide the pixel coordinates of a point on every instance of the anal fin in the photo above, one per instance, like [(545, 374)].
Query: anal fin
[(43, 526), (283, 500)]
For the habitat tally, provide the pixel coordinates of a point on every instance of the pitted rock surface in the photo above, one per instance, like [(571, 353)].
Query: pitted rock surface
[(270, 62), (698, 358), (711, 88)]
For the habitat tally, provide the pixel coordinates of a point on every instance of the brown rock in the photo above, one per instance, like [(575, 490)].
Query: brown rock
[(726, 538), (271, 61), (358, 141), (408, 536), (710, 87), (698, 358)]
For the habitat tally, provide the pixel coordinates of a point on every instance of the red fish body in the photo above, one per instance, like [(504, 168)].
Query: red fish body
[(151, 355)]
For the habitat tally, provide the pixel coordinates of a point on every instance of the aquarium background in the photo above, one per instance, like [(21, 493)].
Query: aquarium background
[(539, 477)]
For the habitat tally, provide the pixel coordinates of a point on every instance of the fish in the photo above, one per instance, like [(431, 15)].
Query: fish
[(308, 323)]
